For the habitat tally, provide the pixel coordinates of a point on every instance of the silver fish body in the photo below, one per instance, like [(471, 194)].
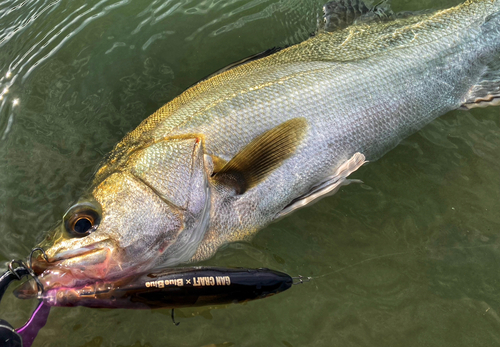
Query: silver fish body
[(363, 89), (355, 93)]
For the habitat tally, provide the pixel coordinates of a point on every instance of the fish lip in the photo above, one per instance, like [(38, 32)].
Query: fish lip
[(59, 257), (30, 290), (40, 264), (66, 274)]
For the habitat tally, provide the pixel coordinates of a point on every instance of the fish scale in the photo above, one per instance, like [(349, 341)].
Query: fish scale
[(408, 94), (266, 137)]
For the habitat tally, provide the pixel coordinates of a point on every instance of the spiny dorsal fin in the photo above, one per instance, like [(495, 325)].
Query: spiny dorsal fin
[(263, 155), (244, 61), (339, 14)]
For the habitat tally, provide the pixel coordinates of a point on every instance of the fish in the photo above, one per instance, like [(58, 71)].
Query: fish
[(269, 135)]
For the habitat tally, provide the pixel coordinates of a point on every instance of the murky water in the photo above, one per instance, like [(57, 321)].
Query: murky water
[(409, 258)]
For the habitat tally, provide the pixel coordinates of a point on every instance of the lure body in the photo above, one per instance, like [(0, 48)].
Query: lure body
[(175, 288)]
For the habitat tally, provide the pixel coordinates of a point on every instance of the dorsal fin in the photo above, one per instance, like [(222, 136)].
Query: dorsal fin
[(339, 14), (262, 156), (243, 61)]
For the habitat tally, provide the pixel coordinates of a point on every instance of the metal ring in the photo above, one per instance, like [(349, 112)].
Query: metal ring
[(301, 280)]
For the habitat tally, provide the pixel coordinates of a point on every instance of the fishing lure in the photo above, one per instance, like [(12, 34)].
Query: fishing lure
[(170, 288), (175, 288)]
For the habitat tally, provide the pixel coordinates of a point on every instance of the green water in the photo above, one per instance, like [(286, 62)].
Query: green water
[(409, 258)]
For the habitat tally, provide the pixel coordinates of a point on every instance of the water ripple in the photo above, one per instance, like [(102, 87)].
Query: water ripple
[(223, 23), (399, 260)]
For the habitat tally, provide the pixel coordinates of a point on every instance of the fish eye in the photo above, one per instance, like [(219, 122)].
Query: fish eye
[(82, 219)]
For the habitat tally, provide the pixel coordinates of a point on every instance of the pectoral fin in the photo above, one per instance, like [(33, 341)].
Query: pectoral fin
[(262, 156), (328, 186), (218, 163)]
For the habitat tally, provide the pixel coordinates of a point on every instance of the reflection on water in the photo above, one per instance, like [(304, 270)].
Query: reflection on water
[(407, 258)]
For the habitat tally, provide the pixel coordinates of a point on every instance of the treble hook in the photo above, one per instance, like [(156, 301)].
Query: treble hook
[(11, 267), (30, 268), (25, 270), (45, 257), (173, 319)]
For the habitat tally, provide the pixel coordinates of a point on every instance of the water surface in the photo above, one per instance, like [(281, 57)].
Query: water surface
[(409, 258)]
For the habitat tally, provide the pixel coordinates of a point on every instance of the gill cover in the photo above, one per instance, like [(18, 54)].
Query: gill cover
[(151, 209), (173, 172)]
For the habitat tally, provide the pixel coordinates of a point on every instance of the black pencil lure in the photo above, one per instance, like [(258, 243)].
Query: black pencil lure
[(174, 288)]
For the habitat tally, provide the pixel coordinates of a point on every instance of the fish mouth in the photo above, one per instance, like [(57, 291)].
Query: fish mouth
[(74, 253), (68, 269), (67, 258)]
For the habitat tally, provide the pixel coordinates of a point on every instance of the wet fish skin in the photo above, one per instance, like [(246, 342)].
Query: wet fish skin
[(361, 89)]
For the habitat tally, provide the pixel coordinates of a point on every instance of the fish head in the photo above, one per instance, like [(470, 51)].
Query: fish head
[(148, 209)]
